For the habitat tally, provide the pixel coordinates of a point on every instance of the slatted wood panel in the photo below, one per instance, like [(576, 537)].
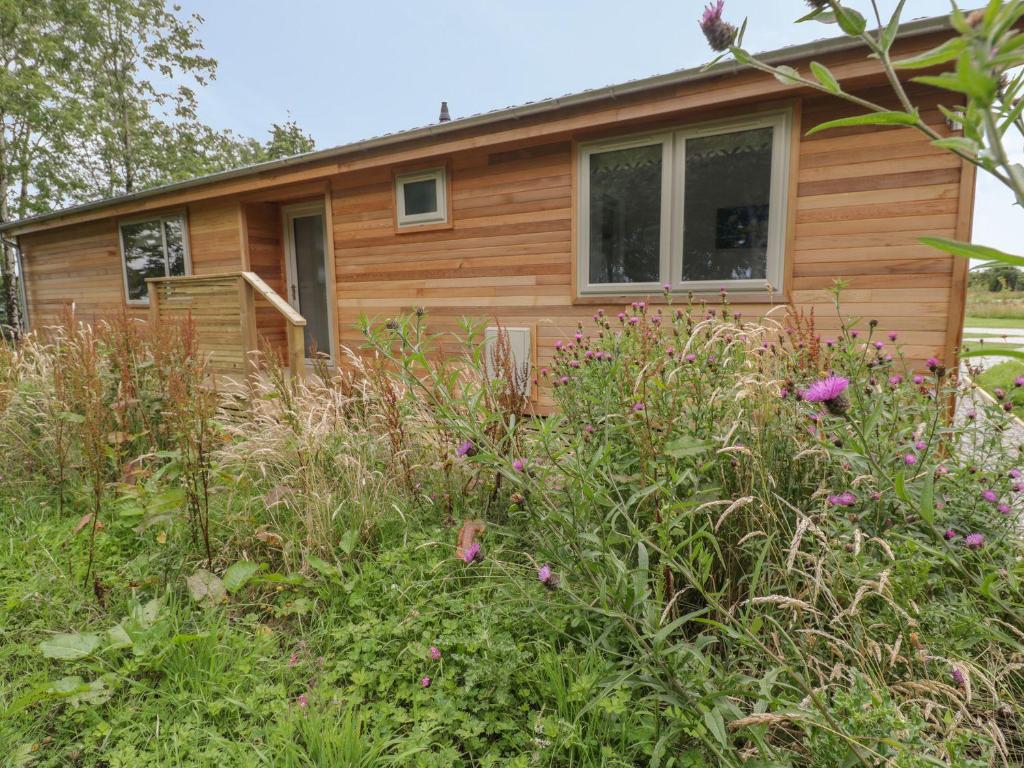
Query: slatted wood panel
[(215, 307), (215, 237), (78, 265)]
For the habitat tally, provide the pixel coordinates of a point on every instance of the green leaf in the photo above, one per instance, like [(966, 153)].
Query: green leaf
[(69, 646), (948, 51), (900, 486), (348, 541), (206, 588), (972, 251), (961, 143), (872, 118), (685, 447), (825, 77), (786, 75), (238, 575), (850, 21), (892, 28)]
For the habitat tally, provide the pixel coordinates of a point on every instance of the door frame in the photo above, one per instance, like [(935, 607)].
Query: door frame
[(288, 215)]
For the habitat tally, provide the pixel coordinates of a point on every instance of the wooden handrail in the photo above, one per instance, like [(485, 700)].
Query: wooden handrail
[(274, 298)]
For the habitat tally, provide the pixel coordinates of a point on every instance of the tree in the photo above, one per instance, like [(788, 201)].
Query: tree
[(38, 113)]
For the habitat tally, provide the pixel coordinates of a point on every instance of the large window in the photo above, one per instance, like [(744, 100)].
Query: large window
[(696, 209), (154, 247)]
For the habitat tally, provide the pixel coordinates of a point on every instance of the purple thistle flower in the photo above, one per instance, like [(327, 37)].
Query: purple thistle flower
[(1019, 381), (895, 379), (1004, 508), (558, 344), (918, 378), (844, 499), (719, 33), (435, 653), (832, 392), (958, 677), (519, 465), (1013, 474), (974, 541), (854, 333), (932, 363), (783, 393), (466, 448), (949, 534), (638, 407), (892, 335), (920, 445), (879, 345), (425, 681), (666, 287), (910, 459), (472, 553), (302, 701), (989, 495), (690, 357)]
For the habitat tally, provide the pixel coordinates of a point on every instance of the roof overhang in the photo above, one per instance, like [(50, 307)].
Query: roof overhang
[(684, 76)]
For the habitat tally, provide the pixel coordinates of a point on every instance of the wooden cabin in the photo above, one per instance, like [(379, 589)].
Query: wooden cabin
[(534, 216)]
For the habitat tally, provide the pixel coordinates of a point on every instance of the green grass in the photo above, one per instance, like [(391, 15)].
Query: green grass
[(1002, 376), (978, 321), (971, 334), (990, 346)]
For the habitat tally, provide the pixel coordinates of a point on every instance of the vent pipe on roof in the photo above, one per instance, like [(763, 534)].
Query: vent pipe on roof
[(445, 116)]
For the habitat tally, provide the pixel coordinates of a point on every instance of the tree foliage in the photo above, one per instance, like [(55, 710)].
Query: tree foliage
[(100, 98)]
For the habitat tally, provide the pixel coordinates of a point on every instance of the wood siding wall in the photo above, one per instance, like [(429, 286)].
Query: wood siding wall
[(863, 197), (263, 229)]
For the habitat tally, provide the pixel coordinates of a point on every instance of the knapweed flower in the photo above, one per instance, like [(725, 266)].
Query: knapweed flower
[(892, 335), (932, 363), (558, 344), (425, 681), (666, 287), (958, 677), (910, 459), (895, 379), (974, 541), (989, 495), (293, 659), (302, 701), (783, 393), (949, 534), (920, 445), (519, 465), (918, 378), (719, 33), (999, 392), (435, 653), (1004, 508), (690, 357), (472, 553), (844, 499), (1013, 473), (547, 577), (854, 333), (638, 407), (1019, 381), (466, 448), (832, 392), (879, 345)]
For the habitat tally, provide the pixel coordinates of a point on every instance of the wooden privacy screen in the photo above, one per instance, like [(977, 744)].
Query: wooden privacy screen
[(223, 309)]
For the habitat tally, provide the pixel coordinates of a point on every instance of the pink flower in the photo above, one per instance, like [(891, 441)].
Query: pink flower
[(558, 344), (1019, 381), (638, 407), (844, 499), (293, 659), (958, 677), (854, 333), (832, 392), (949, 534), (920, 445), (989, 495), (896, 380), (1004, 508), (974, 541), (918, 378), (879, 345), (425, 681), (519, 465), (466, 448), (826, 389), (690, 357), (666, 287), (719, 33), (435, 653), (302, 701), (932, 363), (892, 336), (472, 553), (910, 459), (1013, 474)]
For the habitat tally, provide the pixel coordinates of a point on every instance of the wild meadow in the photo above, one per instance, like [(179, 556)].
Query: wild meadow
[(734, 542)]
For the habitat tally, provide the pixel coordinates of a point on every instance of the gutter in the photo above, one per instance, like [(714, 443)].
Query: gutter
[(679, 77)]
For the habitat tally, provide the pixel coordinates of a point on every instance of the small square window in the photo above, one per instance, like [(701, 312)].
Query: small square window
[(421, 198)]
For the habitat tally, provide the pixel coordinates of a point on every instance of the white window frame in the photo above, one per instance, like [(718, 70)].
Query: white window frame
[(122, 223), (440, 216), (672, 206)]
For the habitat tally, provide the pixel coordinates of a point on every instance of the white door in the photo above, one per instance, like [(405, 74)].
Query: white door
[(308, 273)]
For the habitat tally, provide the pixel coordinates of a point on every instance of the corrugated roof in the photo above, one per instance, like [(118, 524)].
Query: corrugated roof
[(530, 108)]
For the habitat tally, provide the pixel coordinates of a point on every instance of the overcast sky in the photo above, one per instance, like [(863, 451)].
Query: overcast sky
[(348, 70)]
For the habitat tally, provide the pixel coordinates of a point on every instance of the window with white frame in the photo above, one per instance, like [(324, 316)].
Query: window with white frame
[(695, 208), (421, 197), (154, 247)]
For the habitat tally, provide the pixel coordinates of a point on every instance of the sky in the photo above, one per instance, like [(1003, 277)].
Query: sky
[(348, 70)]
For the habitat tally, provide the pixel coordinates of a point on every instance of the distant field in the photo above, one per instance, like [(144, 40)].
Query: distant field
[(980, 321), (1001, 305)]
